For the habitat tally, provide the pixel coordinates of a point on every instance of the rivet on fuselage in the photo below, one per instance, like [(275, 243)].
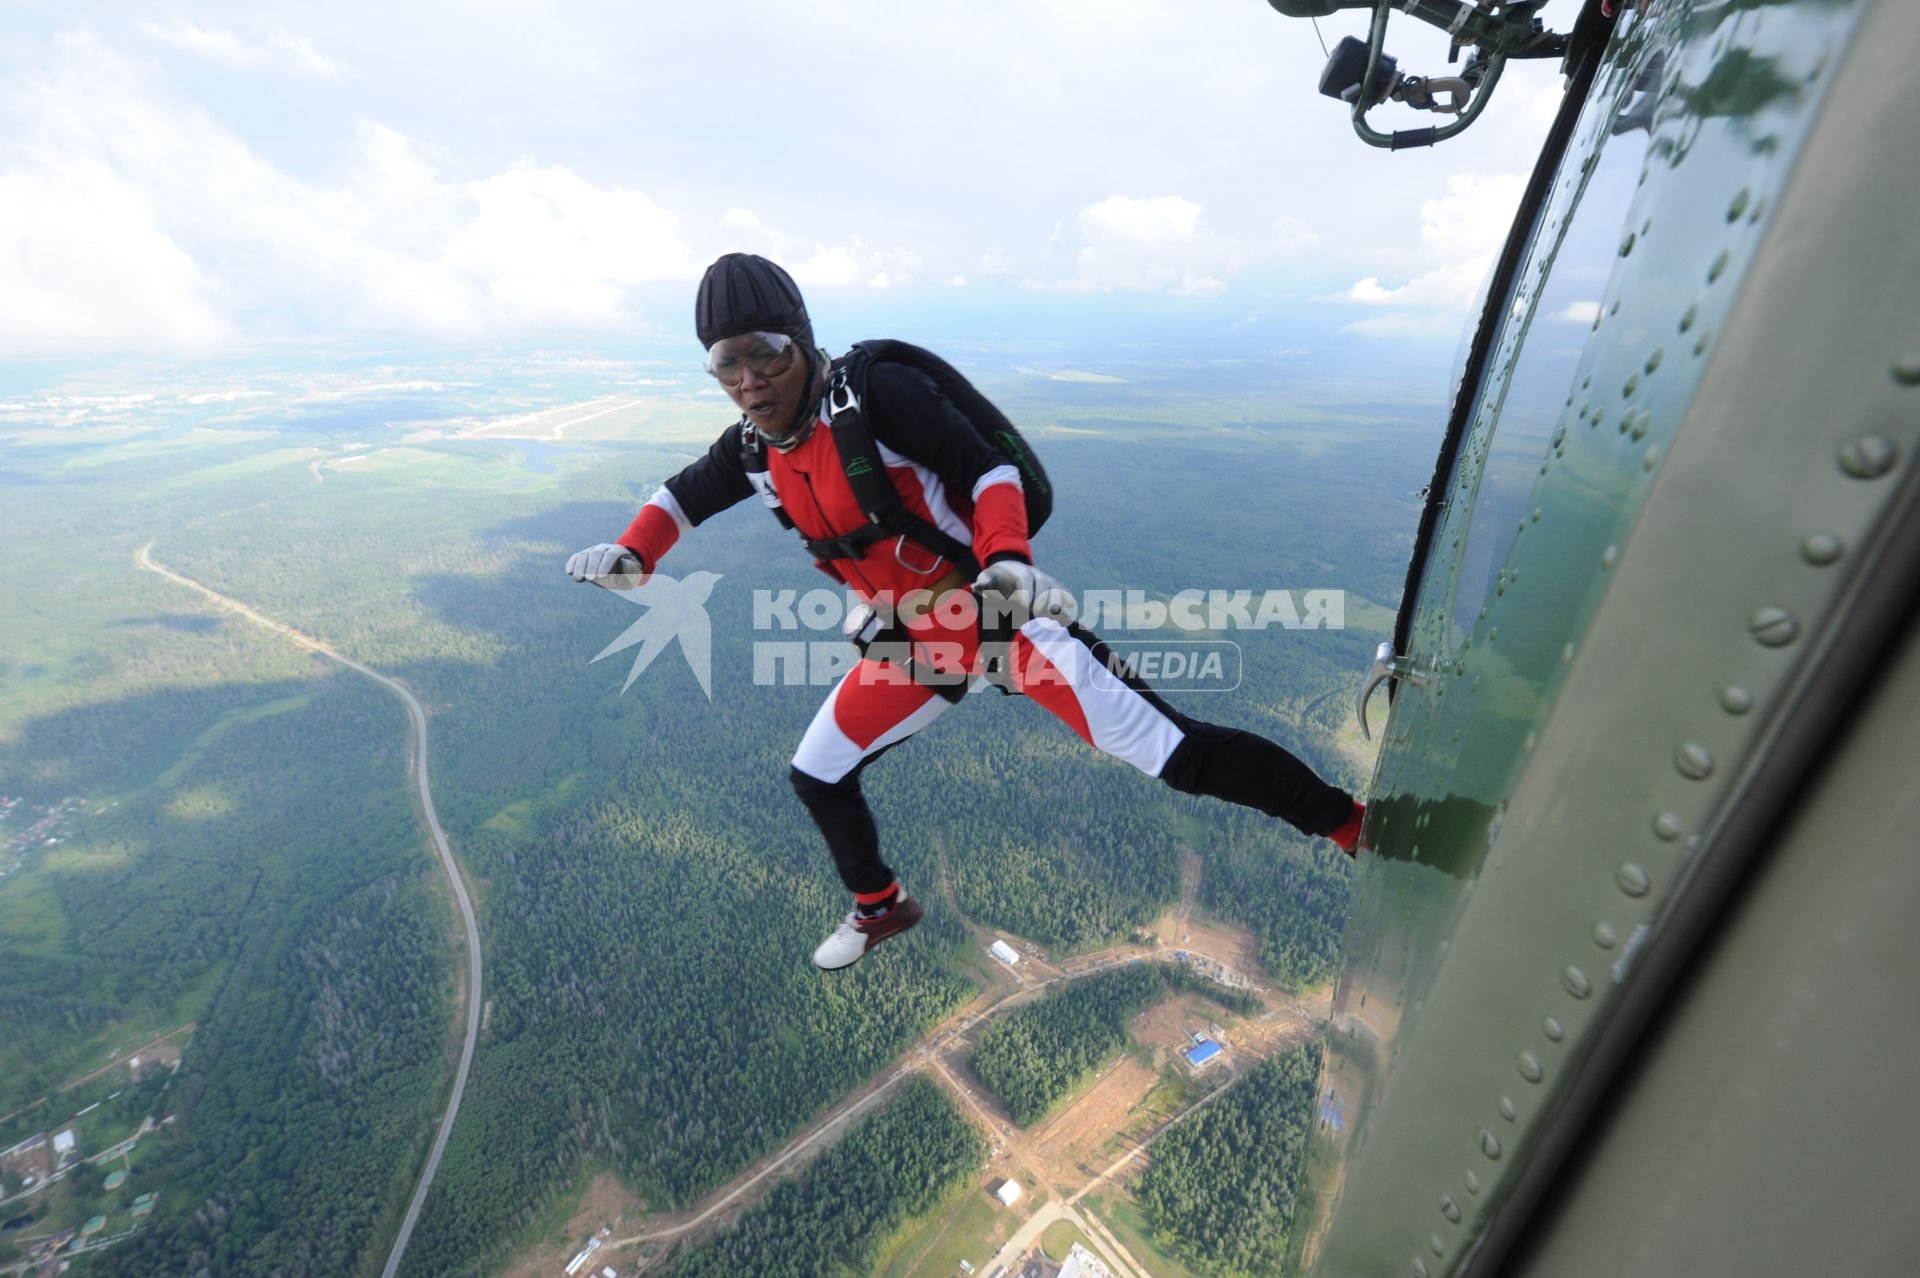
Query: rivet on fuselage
[(1420, 1268), (1553, 1029), (1632, 385), (1530, 1067), (1694, 761), (1576, 982), (1489, 1143), (1739, 206), (1632, 880), (1687, 317), (1604, 936), (1653, 361), (1473, 1182), (1449, 1208), (1822, 549), (1610, 556), (1869, 456), (1667, 827), (1507, 1110), (1774, 626), (1906, 369), (1718, 268), (1735, 699)]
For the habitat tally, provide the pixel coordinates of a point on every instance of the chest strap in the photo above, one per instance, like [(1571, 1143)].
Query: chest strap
[(887, 525)]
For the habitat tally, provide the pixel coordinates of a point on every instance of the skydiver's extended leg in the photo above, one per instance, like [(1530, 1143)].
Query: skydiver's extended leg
[(870, 710), (1069, 671)]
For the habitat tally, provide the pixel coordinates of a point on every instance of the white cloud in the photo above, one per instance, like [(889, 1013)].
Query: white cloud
[(854, 262), (998, 262), (276, 51), (744, 218), (1407, 324), (549, 247), (1579, 313), (82, 265), (1460, 232), (1153, 245), (1291, 235), (130, 218), (841, 265)]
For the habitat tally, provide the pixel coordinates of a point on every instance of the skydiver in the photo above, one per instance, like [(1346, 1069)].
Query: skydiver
[(758, 338)]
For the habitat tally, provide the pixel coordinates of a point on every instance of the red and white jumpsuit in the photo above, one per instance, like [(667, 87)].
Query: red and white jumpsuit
[(952, 478)]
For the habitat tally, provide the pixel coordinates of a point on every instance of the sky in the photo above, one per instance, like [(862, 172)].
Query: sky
[(193, 180)]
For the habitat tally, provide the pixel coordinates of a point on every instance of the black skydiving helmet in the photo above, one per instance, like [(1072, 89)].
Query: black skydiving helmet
[(743, 295)]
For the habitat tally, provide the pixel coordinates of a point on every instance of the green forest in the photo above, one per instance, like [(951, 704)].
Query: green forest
[(320, 1086), (1033, 1057), (649, 889), (835, 1217), (1220, 1188)]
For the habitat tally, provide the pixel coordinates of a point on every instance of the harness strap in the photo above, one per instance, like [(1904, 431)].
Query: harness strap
[(887, 515)]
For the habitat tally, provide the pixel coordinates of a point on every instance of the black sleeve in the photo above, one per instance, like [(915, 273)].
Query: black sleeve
[(714, 482), (912, 417)]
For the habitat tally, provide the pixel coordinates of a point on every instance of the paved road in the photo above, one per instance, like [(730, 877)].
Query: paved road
[(419, 717)]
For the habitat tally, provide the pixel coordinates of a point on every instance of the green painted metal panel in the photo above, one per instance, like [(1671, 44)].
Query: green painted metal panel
[(1607, 631)]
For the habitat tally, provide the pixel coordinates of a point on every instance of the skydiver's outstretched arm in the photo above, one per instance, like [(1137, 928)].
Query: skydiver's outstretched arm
[(700, 491)]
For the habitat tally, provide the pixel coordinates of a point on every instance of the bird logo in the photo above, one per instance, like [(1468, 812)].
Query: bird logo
[(674, 609)]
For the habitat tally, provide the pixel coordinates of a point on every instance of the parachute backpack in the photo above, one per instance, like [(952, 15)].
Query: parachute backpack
[(887, 515)]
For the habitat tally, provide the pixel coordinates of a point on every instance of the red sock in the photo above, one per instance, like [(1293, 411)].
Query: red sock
[(871, 903), (1348, 835)]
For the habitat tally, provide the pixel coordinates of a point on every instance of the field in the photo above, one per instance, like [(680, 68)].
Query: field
[(1079, 1140), (971, 1225), (602, 1203), (1120, 1215), (1059, 1238)]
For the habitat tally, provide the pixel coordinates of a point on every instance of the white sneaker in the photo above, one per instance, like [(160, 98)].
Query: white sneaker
[(855, 935)]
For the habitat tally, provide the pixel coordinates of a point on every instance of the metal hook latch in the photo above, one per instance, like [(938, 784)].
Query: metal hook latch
[(1386, 665)]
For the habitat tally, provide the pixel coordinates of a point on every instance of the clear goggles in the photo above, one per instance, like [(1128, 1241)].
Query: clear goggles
[(767, 354)]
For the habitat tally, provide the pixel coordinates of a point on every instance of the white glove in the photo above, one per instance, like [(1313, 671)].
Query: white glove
[(1027, 592), (609, 565)]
